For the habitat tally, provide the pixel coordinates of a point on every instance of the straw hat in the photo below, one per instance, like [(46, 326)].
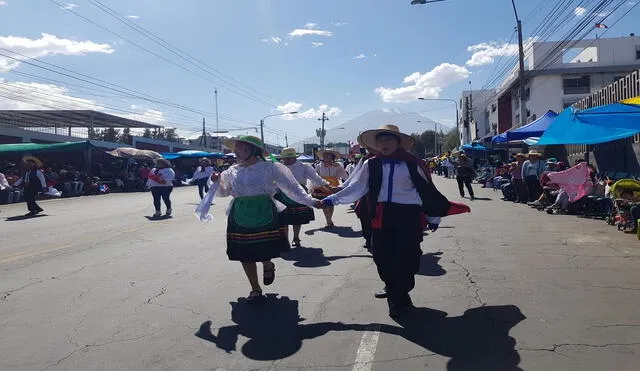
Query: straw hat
[(289, 152), (369, 136), (249, 139), (34, 159), (534, 153), (335, 154), (524, 155), (205, 161), (164, 161)]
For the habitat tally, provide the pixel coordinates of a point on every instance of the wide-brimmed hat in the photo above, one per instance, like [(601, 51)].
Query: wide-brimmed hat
[(534, 153), (249, 139), (34, 159), (335, 154), (289, 152), (205, 161), (521, 155), (369, 136), (162, 161)]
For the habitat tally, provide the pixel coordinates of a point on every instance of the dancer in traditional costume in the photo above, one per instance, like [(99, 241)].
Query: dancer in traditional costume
[(297, 214), (201, 176), (254, 231), (33, 182), (332, 172), (399, 194)]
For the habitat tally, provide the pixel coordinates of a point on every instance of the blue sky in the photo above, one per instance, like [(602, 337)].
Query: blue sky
[(345, 57)]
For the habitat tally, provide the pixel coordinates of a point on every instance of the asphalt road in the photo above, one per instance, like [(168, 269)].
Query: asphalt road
[(95, 285)]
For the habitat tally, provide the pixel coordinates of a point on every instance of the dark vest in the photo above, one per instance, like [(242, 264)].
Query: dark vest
[(433, 202)]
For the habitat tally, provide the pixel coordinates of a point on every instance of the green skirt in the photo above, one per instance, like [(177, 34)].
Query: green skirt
[(254, 230)]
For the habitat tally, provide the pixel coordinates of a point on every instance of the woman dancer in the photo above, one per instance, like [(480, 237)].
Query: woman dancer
[(254, 233), (33, 182), (297, 214), (201, 176), (161, 184), (332, 172)]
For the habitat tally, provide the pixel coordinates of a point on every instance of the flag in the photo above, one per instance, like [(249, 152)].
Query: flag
[(576, 181), (601, 25)]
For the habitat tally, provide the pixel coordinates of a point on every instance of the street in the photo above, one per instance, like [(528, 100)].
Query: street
[(95, 285)]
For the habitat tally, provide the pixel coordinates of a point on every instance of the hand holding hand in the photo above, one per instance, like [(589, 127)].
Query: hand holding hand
[(318, 204), (215, 177)]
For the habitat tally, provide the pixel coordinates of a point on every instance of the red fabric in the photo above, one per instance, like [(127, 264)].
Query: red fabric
[(376, 222), (155, 178), (458, 208)]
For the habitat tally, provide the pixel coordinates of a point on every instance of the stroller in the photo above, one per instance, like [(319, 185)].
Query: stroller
[(621, 213)]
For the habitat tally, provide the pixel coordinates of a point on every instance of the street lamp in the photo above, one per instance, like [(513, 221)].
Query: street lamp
[(264, 145)]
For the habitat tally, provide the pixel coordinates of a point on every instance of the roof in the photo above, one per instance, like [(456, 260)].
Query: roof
[(68, 118), (39, 148)]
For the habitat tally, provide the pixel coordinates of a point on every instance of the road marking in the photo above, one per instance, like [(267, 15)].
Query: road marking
[(367, 349)]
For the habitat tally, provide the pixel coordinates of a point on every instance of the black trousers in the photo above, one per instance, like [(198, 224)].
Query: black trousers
[(396, 250), (163, 193), (533, 187), (203, 187), (30, 199), (464, 181), (521, 190), (366, 231)]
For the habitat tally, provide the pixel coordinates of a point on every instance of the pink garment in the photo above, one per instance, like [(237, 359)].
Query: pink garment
[(575, 181)]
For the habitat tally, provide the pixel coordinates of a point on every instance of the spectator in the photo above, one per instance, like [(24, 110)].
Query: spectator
[(465, 176), (516, 178), (531, 171)]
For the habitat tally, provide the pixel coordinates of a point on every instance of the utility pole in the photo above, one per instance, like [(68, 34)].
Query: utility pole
[(523, 108), (203, 138), (215, 91), (322, 131), (286, 140), (264, 145)]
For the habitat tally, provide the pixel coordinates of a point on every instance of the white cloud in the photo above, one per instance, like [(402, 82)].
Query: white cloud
[(272, 40), (485, 53), (316, 44), (579, 11), (427, 85), (311, 26), (299, 32), (133, 16), (308, 113), (46, 45), (32, 95), (360, 56), (150, 116), (339, 24), (3, 2), (69, 6)]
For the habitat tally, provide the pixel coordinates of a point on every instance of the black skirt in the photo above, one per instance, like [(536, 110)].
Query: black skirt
[(295, 213), (254, 230)]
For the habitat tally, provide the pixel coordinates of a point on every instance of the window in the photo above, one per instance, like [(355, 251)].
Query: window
[(638, 52), (493, 108), (577, 84)]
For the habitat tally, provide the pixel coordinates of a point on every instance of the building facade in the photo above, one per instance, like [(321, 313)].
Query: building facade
[(473, 118), (560, 75)]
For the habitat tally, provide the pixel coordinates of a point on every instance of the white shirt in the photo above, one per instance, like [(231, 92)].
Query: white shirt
[(398, 189), (262, 178), (334, 171), (350, 168), (303, 172), (167, 174), (202, 173), (40, 176), (4, 184), (352, 175)]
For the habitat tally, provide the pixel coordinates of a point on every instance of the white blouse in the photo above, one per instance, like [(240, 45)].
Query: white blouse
[(167, 174), (398, 189), (202, 173), (335, 171), (303, 172), (262, 178)]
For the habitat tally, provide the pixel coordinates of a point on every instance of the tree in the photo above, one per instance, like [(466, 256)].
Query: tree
[(93, 134), (158, 134), (147, 133), (424, 144), (111, 135), (171, 135), (451, 140), (126, 136)]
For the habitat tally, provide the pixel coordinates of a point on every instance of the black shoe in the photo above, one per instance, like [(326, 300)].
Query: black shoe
[(31, 213), (381, 294), (37, 211)]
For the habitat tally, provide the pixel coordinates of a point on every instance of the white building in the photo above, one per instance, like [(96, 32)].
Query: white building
[(559, 75), (473, 119)]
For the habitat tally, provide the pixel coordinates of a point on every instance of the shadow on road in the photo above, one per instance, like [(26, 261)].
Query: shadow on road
[(23, 217), (478, 340), (482, 199), (310, 257), (346, 232), (429, 265), (155, 218)]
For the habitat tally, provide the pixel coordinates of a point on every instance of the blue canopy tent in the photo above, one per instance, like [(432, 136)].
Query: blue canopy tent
[(306, 158), (533, 129), (190, 154), (476, 147), (594, 125)]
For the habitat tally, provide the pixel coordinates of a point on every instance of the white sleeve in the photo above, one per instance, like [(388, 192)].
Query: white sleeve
[(342, 173), (289, 185), (209, 171), (313, 177), (224, 188), (40, 176), (357, 188), (356, 170)]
